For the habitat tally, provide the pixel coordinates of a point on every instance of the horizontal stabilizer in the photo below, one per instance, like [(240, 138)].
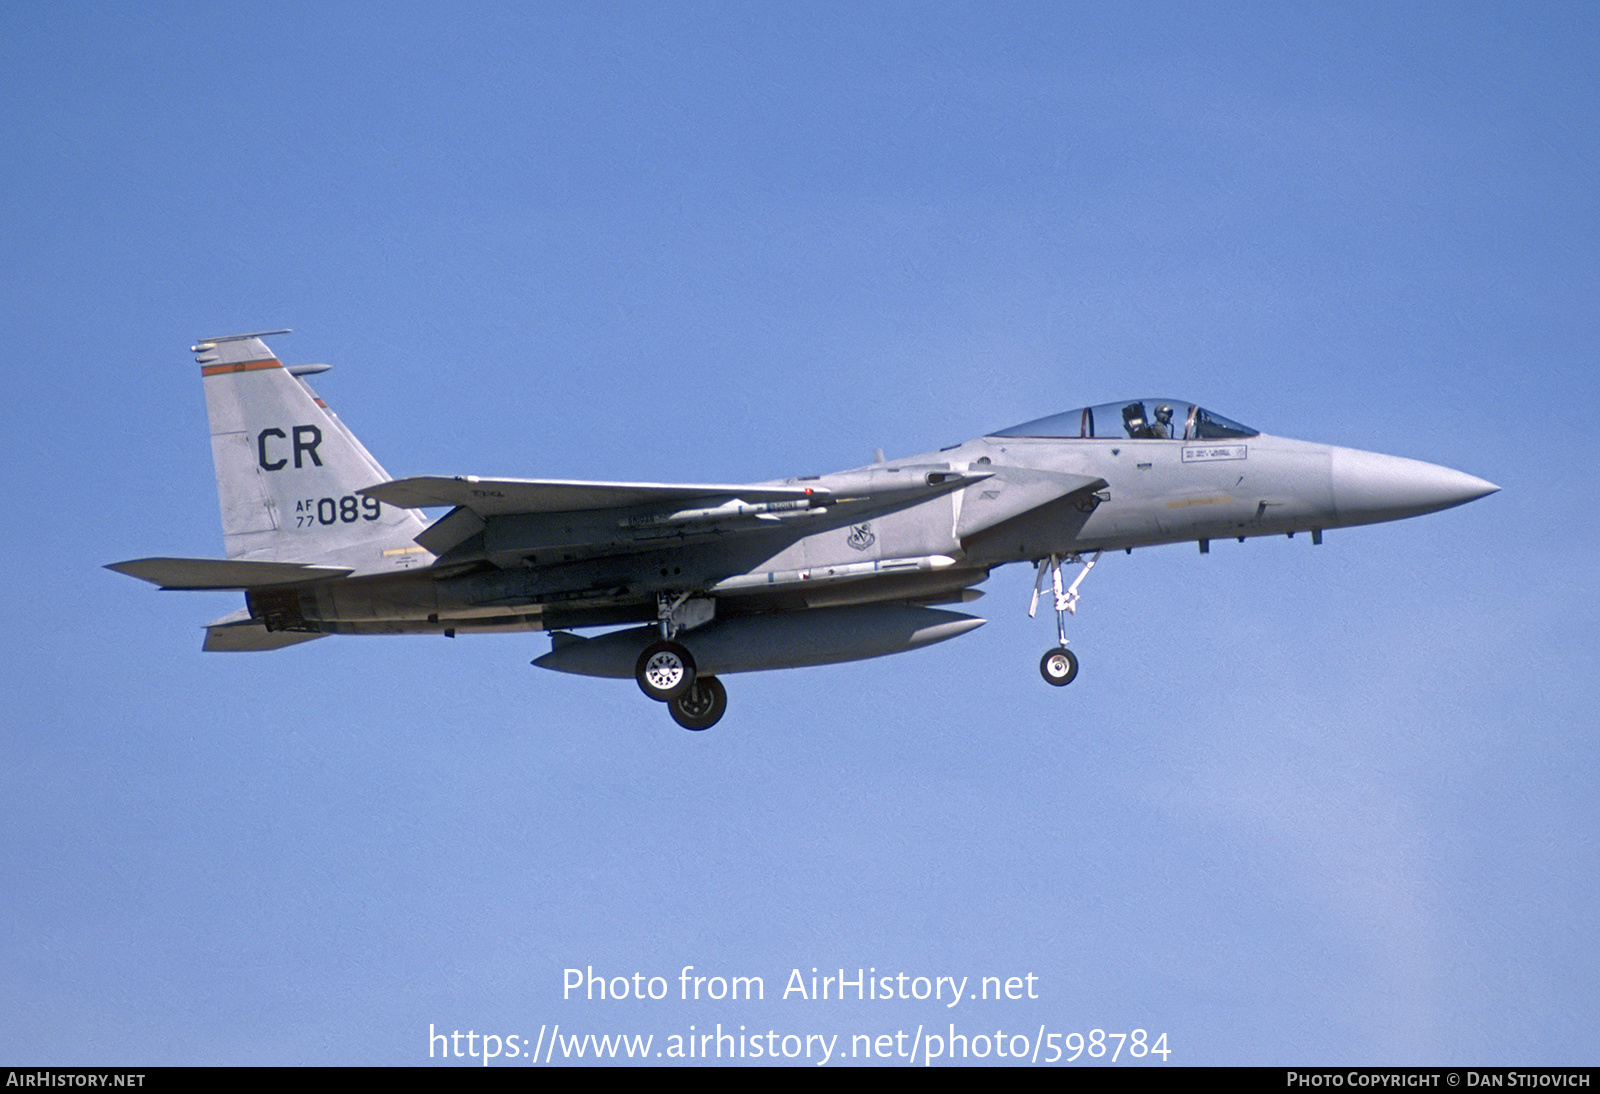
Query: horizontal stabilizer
[(216, 573), (498, 497), (238, 633)]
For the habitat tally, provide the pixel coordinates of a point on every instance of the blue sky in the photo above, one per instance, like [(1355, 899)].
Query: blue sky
[(1304, 804)]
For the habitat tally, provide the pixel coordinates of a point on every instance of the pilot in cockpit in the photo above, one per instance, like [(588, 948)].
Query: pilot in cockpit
[(1162, 430), (1140, 428)]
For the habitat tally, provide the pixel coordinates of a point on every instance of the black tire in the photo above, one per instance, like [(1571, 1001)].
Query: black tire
[(1059, 667), (665, 670), (702, 706)]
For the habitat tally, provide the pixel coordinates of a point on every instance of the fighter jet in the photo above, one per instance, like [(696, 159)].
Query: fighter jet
[(696, 581)]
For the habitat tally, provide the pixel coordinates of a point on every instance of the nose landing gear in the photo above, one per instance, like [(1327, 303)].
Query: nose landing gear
[(1060, 666)]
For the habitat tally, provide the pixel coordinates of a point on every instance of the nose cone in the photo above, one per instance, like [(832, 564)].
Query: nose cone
[(1370, 487)]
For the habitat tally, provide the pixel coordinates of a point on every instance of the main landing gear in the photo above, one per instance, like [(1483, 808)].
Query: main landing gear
[(1060, 666), (666, 672)]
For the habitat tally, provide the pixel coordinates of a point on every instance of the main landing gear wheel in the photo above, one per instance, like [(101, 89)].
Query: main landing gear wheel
[(1059, 667), (665, 670), (702, 706)]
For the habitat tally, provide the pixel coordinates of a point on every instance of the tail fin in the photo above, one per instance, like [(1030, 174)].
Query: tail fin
[(288, 469)]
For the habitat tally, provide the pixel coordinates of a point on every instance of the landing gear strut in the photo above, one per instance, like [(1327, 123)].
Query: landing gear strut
[(1059, 666)]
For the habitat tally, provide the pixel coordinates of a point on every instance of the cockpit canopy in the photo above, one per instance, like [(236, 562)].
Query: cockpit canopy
[(1137, 419)]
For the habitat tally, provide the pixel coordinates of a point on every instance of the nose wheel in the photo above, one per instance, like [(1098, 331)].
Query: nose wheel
[(1059, 667)]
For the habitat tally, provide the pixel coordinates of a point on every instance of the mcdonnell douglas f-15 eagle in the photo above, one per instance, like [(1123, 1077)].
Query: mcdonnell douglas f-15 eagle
[(719, 578)]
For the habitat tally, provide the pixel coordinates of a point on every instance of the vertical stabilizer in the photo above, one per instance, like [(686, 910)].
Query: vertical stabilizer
[(288, 469)]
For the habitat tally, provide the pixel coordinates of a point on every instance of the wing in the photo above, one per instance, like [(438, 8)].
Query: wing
[(509, 521)]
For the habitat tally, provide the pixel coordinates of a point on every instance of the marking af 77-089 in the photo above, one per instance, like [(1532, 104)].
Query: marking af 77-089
[(722, 578)]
